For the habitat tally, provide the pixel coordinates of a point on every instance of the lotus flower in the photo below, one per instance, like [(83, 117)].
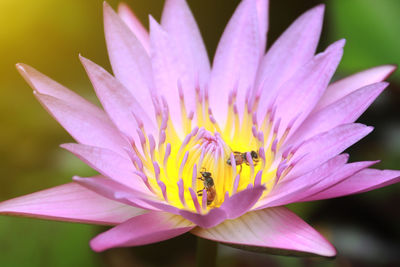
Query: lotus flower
[(218, 152)]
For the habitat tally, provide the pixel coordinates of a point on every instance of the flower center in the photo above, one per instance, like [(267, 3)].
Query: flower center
[(209, 164)]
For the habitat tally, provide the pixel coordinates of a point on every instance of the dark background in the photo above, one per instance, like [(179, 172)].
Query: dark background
[(49, 34)]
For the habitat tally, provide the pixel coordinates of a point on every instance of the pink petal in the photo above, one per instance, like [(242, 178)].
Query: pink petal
[(276, 230), (363, 181), (324, 146), (345, 110), (134, 24), (129, 196), (119, 103), (236, 60), (289, 190), (313, 186), (70, 202), (142, 230), (84, 126), (99, 129), (109, 164), (344, 173), (349, 84), (153, 203), (241, 202), (168, 69), (298, 96), (262, 15), (178, 21), (211, 219), (129, 60), (46, 86), (114, 191), (295, 47), (233, 207)]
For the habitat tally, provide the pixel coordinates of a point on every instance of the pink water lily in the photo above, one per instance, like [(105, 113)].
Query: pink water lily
[(218, 152)]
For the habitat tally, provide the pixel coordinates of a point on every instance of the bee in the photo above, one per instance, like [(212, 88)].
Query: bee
[(208, 183), (240, 158)]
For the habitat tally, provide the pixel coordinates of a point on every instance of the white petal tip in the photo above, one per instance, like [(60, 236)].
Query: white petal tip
[(370, 128), (123, 6), (19, 66), (23, 70), (152, 21), (317, 12), (77, 178), (319, 8)]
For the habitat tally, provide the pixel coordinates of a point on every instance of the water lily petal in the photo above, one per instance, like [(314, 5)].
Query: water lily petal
[(91, 126), (236, 60), (70, 202), (263, 21), (121, 193), (155, 204), (273, 230), (129, 60), (360, 182), (238, 204), (168, 71), (120, 104), (231, 208), (109, 164), (211, 219), (178, 21), (299, 95), (144, 229), (347, 85), (295, 47), (134, 24), (304, 188), (114, 191), (85, 127), (345, 110), (344, 173), (334, 178), (324, 146), (129, 195), (46, 86), (287, 190)]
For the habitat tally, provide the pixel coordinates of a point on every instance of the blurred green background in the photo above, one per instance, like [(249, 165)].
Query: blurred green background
[(49, 34)]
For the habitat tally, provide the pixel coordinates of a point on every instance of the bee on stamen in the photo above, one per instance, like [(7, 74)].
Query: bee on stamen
[(240, 158), (208, 183)]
